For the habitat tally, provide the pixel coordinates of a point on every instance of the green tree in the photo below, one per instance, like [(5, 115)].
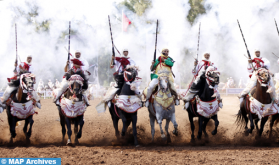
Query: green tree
[(197, 8), (137, 6)]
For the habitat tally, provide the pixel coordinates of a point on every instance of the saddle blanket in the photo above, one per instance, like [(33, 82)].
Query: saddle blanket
[(129, 104), (262, 110), (22, 110), (71, 108), (207, 109)]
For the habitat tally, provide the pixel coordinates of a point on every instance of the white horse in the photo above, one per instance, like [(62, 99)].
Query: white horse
[(162, 107)]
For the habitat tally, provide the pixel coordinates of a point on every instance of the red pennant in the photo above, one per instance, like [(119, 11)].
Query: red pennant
[(125, 22)]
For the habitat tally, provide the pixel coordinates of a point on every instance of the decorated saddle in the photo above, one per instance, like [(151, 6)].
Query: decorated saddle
[(71, 108), (207, 108), (129, 104), (22, 110), (262, 110)]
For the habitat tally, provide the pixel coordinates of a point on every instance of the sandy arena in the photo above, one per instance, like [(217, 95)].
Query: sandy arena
[(98, 144)]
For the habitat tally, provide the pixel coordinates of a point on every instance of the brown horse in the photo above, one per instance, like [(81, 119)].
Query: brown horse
[(261, 95), (20, 108)]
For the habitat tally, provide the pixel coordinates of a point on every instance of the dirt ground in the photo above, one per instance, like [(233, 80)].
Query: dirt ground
[(98, 144)]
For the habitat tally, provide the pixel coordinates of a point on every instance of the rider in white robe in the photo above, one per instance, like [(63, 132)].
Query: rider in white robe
[(24, 67), (257, 62), (82, 66), (201, 66)]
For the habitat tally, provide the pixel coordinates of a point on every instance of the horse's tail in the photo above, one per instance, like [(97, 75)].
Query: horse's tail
[(240, 120)]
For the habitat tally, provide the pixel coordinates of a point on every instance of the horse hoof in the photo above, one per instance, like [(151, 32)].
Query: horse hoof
[(69, 143), (175, 132), (28, 141), (79, 135), (137, 145), (76, 141), (214, 132), (163, 136), (192, 140), (122, 133), (199, 137), (246, 133)]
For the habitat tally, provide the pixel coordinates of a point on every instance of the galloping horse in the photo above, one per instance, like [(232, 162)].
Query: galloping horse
[(72, 107), (205, 105), (125, 105), (258, 105), (21, 105), (162, 107)]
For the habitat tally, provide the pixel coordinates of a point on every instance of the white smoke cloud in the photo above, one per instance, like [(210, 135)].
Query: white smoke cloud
[(219, 34)]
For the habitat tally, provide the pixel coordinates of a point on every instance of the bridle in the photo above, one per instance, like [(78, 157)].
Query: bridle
[(78, 79), (260, 78)]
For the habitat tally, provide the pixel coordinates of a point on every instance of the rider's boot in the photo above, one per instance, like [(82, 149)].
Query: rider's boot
[(150, 89), (59, 91), (173, 92), (252, 83), (85, 98), (37, 99), (7, 95)]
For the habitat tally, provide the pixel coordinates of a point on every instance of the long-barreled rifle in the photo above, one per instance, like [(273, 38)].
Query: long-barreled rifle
[(276, 26), (69, 46), (156, 41), (198, 45), (113, 53), (245, 44), (16, 49)]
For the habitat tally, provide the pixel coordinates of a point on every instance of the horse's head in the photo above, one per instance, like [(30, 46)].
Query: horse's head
[(27, 82), (163, 83), (263, 76), (212, 76), (130, 73), (75, 84)]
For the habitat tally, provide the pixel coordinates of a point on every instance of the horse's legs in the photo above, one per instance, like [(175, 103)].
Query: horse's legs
[(251, 123), (12, 123), (76, 129), (206, 120), (81, 123), (167, 131), (152, 122), (25, 126), (62, 123), (274, 117), (201, 119), (263, 121), (159, 119), (256, 124), (115, 125), (192, 127), (30, 121), (175, 131), (124, 121), (215, 118), (134, 124), (68, 123)]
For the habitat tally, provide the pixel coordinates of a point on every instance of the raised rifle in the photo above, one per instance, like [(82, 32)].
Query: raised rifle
[(69, 46), (156, 42), (198, 45), (113, 53), (16, 49), (245, 44), (276, 26)]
